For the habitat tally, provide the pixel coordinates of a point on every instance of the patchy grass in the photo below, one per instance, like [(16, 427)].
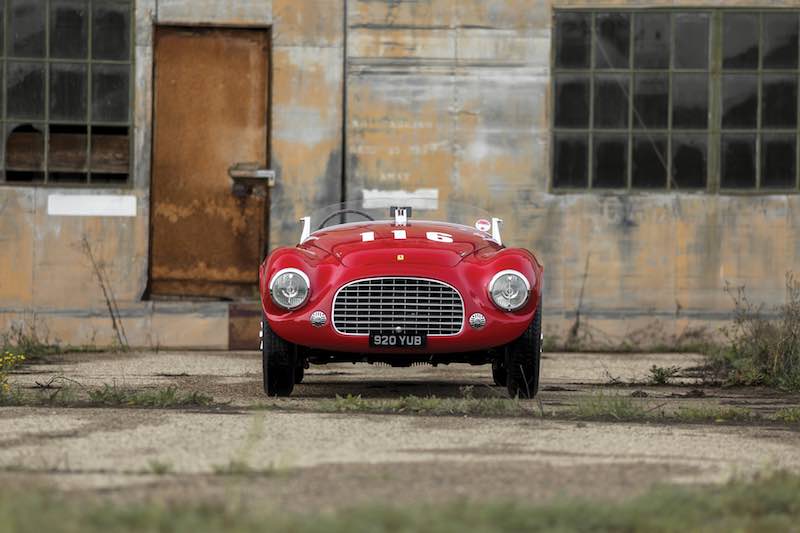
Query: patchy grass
[(760, 350), (609, 407), (788, 415), (427, 405), (768, 503), (75, 395), (662, 375)]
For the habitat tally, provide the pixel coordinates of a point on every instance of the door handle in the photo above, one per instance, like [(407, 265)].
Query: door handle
[(250, 174)]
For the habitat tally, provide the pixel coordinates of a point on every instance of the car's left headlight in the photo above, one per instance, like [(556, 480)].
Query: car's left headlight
[(509, 290), (289, 288)]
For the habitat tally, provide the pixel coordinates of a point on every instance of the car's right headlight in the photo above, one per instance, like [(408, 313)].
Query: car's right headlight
[(509, 290), (289, 288)]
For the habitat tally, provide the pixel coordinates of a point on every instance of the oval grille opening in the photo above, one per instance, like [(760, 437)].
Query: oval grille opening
[(382, 304)]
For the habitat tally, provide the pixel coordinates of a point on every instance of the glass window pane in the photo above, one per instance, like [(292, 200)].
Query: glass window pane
[(611, 101), (739, 101), (738, 161), (649, 162), (572, 40), (691, 40), (779, 101), (24, 152), (110, 93), (66, 152), (778, 156), (570, 161), (612, 47), (111, 29), (690, 101), (26, 25), (610, 163), (780, 40), (651, 44), (689, 161), (572, 101), (651, 101), (68, 90), (25, 90), (740, 40), (69, 33)]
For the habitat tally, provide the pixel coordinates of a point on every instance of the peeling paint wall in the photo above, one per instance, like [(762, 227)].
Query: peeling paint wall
[(445, 94)]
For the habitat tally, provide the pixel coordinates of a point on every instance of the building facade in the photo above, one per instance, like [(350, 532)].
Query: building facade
[(647, 151)]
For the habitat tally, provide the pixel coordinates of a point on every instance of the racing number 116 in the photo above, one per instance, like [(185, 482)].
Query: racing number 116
[(400, 234)]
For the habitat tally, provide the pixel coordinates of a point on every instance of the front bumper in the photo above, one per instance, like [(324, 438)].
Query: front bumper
[(501, 327)]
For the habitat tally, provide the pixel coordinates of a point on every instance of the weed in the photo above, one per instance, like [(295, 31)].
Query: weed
[(8, 361), (762, 351), (609, 407), (29, 339), (661, 375), (158, 468), (114, 396), (428, 405), (788, 415), (711, 413)]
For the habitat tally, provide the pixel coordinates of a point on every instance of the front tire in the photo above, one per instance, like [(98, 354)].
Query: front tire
[(499, 374), (523, 360), (279, 362)]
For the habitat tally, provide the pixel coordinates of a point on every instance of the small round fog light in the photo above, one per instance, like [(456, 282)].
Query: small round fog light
[(318, 319), (477, 321)]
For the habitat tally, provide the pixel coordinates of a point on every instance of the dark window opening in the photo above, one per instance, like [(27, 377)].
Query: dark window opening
[(65, 91)]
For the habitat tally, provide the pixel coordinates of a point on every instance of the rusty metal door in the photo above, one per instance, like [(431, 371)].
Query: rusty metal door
[(210, 113)]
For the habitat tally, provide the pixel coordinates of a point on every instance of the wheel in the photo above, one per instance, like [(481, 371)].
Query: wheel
[(523, 358), (299, 374), (279, 362), (499, 373)]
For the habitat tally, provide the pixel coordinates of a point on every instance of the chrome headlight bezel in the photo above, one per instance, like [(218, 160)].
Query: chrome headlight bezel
[(299, 273), (517, 274)]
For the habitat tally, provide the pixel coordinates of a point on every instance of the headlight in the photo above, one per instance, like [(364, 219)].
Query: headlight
[(509, 290), (289, 288)]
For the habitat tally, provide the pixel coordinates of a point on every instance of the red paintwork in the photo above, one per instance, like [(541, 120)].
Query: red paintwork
[(335, 256)]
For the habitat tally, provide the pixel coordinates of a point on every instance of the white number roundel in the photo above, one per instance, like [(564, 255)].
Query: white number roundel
[(439, 237)]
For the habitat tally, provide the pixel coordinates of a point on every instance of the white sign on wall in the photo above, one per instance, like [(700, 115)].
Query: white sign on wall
[(91, 205)]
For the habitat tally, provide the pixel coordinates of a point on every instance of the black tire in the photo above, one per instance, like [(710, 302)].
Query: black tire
[(523, 359), (279, 361), (499, 374), (299, 374)]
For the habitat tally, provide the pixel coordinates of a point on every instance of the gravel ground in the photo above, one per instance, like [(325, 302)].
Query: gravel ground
[(330, 460)]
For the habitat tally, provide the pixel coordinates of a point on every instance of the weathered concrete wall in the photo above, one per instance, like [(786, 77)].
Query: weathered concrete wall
[(46, 278), (455, 94)]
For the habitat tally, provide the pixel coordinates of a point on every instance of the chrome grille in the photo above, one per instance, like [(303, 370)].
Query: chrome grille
[(382, 304)]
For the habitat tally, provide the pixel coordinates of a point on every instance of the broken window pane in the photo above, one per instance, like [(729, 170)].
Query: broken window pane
[(111, 30), (572, 101), (612, 43), (110, 93), (649, 162), (570, 161), (24, 153), (780, 40), (572, 40), (689, 161), (651, 101), (690, 101), (739, 101), (691, 40), (779, 101), (651, 44), (66, 152), (738, 161), (26, 25), (740, 40), (110, 149), (69, 34), (611, 101), (68, 91), (25, 90), (778, 157), (610, 164)]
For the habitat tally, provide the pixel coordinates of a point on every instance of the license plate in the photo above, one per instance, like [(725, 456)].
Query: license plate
[(409, 339)]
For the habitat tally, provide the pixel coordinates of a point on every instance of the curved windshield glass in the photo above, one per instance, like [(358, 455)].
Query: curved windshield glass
[(416, 208)]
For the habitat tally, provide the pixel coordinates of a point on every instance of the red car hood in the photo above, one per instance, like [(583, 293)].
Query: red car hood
[(370, 243)]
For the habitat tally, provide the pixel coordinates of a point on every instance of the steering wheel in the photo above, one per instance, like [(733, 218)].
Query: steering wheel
[(343, 212)]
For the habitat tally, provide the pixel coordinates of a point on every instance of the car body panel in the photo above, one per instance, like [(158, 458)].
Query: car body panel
[(336, 256)]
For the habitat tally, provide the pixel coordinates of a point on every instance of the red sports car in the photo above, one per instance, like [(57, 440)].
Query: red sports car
[(373, 282)]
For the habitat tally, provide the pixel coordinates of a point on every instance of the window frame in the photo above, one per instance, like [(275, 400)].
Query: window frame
[(714, 130), (89, 62)]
